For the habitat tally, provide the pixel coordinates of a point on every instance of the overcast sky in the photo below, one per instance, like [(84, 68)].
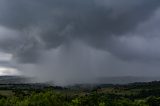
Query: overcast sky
[(72, 41)]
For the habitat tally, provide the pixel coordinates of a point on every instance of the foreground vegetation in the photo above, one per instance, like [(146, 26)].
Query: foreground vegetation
[(138, 94)]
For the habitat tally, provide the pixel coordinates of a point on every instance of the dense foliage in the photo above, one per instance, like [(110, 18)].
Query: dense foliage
[(55, 99), (52, 98), (128, 95)]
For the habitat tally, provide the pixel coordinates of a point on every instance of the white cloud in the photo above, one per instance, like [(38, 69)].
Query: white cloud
[(8, 71)]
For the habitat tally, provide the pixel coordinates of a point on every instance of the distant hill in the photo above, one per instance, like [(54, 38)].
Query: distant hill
[(125, 79), (101, 80), (14, 80)]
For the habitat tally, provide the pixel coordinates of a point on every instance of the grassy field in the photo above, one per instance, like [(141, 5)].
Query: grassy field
[(6, 93)]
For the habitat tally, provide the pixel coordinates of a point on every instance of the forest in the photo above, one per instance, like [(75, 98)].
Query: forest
[(135, 94)]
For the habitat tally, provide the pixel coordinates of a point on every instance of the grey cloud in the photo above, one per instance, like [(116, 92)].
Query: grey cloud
[(77, 40), (61, 20)]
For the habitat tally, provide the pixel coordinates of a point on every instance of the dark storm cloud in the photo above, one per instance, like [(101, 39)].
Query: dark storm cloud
[(79, 40), (61, 21)]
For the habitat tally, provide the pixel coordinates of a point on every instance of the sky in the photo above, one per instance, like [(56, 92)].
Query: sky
[(72, 41)]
